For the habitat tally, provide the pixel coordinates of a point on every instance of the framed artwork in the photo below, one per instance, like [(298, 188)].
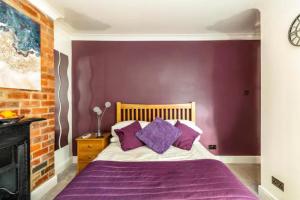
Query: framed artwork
[(20, 51)]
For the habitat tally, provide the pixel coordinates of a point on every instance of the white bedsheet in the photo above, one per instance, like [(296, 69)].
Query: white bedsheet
[(114, 153)]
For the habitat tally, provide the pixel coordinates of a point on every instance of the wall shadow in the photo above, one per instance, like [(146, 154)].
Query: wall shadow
[(247, 21), (83, 22)]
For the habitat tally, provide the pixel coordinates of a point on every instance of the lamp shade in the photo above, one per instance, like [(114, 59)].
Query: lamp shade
[(97, 110), (107, 104)]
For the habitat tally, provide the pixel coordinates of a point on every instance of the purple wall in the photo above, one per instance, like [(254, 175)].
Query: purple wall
[(222, 77)]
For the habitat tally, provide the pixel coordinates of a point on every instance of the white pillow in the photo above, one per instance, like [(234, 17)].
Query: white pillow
[(190, 124), (197, 139), (123, 124)]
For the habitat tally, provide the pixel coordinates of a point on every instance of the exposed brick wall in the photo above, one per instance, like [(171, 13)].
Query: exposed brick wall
[(37, 103)]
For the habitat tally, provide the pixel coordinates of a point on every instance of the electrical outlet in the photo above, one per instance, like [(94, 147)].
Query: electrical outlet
[(278, 183), (212, 147)]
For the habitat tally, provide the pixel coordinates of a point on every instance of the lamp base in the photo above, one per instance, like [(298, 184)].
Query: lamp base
[(99, 136)]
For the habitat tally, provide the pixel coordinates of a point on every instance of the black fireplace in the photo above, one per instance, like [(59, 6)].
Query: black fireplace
[(15, 160)]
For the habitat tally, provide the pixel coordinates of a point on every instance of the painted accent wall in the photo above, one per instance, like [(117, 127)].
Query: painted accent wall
[(222, 77), (37, 103)]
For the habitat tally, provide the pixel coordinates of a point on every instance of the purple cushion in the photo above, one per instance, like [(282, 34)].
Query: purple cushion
[(159, 135), (127, 136), (187, 137)]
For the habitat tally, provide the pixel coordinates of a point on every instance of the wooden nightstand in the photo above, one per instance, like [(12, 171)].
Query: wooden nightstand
[(89, 148)]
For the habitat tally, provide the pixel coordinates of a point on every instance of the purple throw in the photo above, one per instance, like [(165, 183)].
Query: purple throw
[(173, 180)]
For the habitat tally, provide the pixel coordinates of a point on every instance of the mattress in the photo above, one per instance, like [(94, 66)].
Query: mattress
[(190, 179), (114, 153)]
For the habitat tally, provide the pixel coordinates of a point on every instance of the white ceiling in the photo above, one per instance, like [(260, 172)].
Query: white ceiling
[(158, 16)]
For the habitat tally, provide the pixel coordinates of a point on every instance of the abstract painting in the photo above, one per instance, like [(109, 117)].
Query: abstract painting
[(61, 64), (20, 60)]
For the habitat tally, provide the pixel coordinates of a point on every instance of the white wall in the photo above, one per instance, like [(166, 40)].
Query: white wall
[(63, 43), (280, 138)]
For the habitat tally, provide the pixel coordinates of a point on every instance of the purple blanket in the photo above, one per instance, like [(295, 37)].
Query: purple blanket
[(196, 179)]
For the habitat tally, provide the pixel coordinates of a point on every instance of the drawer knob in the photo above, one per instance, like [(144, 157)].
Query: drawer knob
[(89, 146)]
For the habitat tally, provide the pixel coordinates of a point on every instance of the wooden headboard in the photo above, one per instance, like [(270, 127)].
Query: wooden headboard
[(148, 112)]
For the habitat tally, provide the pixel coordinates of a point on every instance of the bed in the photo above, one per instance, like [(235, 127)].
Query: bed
[(144, 174)]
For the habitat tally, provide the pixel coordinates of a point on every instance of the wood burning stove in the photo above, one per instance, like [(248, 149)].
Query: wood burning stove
[(15, 160)]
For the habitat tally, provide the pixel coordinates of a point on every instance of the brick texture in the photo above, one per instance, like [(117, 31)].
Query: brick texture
[(37, 103)]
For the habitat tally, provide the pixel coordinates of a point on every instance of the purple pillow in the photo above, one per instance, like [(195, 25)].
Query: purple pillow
[(128, 138), (187, 137), (159, 135)]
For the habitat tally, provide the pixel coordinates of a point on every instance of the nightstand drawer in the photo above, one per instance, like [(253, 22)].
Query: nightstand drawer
[(89, 148), (87, 156), (90, 145)]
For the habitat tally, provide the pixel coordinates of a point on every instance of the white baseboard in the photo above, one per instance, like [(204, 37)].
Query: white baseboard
[(264, 194), (75, 160), (39, 192), (240, 159), (62, 158), (61, 167)]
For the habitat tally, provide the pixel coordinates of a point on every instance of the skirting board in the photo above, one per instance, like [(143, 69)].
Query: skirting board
[(63, 159), (63, 166), (226, 159), (240, 159), (74, 159), (39, 192), (265, 194)]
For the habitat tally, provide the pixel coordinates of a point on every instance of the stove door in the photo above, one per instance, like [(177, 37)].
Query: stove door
[(8, 173)]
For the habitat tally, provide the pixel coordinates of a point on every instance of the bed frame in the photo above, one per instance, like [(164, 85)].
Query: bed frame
[(148, 112)]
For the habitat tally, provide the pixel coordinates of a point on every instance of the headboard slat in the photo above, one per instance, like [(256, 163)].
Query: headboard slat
[(145, 115), (148, 112), (128, 115), (153, 114)]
